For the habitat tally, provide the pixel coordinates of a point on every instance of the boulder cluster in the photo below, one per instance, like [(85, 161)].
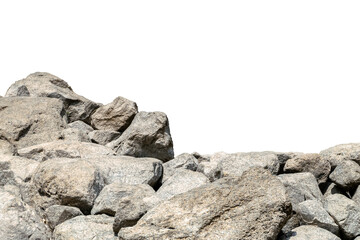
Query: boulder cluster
[(73, 169)]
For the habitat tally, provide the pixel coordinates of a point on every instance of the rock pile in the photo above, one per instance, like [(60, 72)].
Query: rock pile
[(73, 169)]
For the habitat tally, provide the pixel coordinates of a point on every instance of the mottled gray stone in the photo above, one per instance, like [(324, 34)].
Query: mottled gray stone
[(308, 232), (73, 134), (7, 148), (22, 168), (184, 161), (346, 175), (82, 126), (103, 137), (342, 152), (57, 214)]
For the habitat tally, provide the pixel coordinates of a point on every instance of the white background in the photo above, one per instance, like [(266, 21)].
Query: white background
[(231, 75)]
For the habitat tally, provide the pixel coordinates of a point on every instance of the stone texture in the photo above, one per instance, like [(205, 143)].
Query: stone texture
[(73, 134), (308, 232), (19, 221), (342, 152), (26, 121), (80, 125), (98, 227), (41, 84), (356, 196), (346, 175), (57, 214), (103, 137), (64, 149), (346, 213), (330, 188), (254, 206), (310, 162), (183, 161), (22, 168), (115, 116), (7, 148), (147, 136)]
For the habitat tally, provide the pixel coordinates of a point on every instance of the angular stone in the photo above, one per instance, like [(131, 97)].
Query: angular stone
[(310, 162), (93, 227), (254, 206), (22, 168), (103, 137), (184, 161), (330, 188), (115, 116), (211, 170), (346, 175), (26, 121), (75, 135), (147, 136), (64, 149), (313, 213), (80, 125), (57, 214), (346, 213), (342, 152), (41, 84), (308, 232)]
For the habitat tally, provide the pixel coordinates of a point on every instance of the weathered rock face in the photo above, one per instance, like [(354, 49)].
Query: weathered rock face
[(80, 125), (342, 152), (103, 137), (310, 232), (115, 116), (7, 148), (30, 121), (183, 161), (57, 214), (346, 175), (41, 84), (254, 206), (147, 136), (73, 134), (22, 169)]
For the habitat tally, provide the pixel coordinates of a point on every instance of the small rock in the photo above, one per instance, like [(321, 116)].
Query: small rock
[(308, 232), (184, 161), (330, 188), (58, 214), (103, 137), (346, 175), (80, 125), (342, 152), (73, 134)]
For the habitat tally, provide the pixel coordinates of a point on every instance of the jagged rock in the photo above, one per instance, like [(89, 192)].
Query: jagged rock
[(301, 187), (312, 163), (331, 188), (115, 116), (124, 169), (283, 157), (73, 134), (19, 221), (26, 121), (147, 136), (57, 214), (114, 194), (254, 206), (211, 170), (342, 152), (80, 125), (64, 149), (103, 137), (292, 223), (313, 213), (346, 175), (69, 181), (22, 168), (183, 161), (346, 213), (7, 148), (308, 232), (93, 227), (41, 84), (183, 180)]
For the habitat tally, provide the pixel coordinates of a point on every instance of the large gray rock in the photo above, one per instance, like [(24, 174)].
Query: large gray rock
[(313, 213), (22, 168), (64, 149), (57, 214), (114, 194), (80, 125), (346, 213), (103, 137), (346, 175), (68, 181), (41, 84), (93, 227), (19, 221), (147, 136), (308, 232), (312, 163), (342, 152), (182, 161), (301, 187), (115, 116), (254, 206), (30, 121)]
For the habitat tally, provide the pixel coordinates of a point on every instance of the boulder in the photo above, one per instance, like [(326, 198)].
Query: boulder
[(308, 232), (57, 214), (115, 116), (254, 206), (103, 137), (312, 163), (64, 149), (82, 126), (346, 175), (147, 136), (342, 152), (93, 227), (73, 134), (183, 161), (41, 84), (346, 213), (26, 121)]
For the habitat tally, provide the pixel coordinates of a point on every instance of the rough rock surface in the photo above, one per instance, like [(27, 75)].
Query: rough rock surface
[(41, 84), (183, 161), (7, 148), (308, 232), (147, 136), (342, 152), (254, 206), (346, 175), (115, 116), (22, 168), (80, 125), (103, 137), (73, 134), (57, 214)]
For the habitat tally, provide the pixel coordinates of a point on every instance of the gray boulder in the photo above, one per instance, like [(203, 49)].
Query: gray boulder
[(254, 206), (41, 84), (30, 121), (115, 116), (147, 136), (342, 152), (57, 214), (308, 232), (182, 161), (80, 125), (346, 175), (73, 134), (103, 137), (93, 227)]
